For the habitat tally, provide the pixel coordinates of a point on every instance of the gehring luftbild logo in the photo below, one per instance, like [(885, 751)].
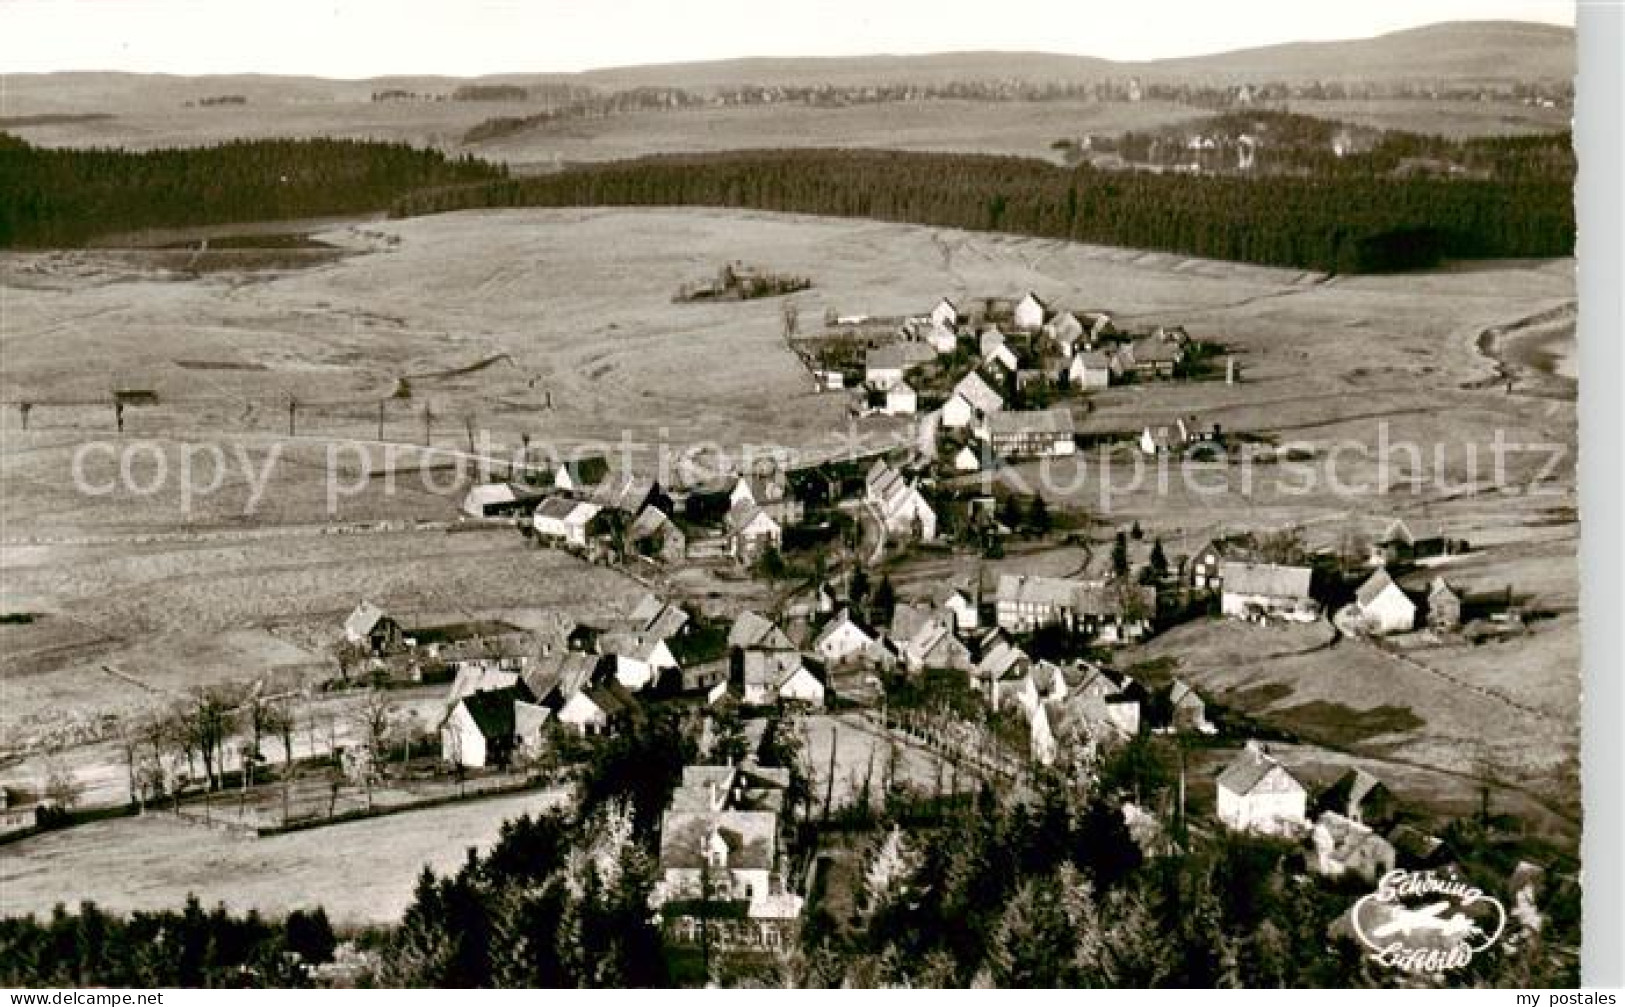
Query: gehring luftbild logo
[(1420, 922)]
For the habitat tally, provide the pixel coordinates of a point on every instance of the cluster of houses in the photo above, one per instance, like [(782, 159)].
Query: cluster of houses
[(1352, 828), (1017, 345), (585, 680)]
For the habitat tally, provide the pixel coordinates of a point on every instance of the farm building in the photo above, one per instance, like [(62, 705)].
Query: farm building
[(370, 628), (1171, 437), (581, 475), (1258, 794), (1382, 607), (1187, 711), (996, 352), (1064, 330), (563, 520), (769, 490), (1360, 797), (479, 730), (1444, 605), (641, 659), (972, 402), (845, 641), (1029, 313), (901, 506), (959, 605), (489, 500), (1149, 357), (753, 530), (1033, 433), (1256, 590), (629, 494), (772, 676), (887, 366), (1090, 369), (1203, 565), (1023, 602), (1408, 540), (655, 535), (901, 400), (751, 631), (1343, 847)]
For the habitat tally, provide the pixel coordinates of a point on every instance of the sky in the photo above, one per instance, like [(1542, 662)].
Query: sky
[(366, 38)]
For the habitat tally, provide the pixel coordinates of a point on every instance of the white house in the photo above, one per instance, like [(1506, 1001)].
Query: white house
[(901, 400), (640, 658), (967, 460), (562, 519), (844, 641), (1258, 794), (754, 530), (887, 365), (1041, 433), (902, 507), (942, 338), (479, 729), (945, 314), (598, 709), (1064, 330), (960, 607), (972, 402), (1383, 607), (1090, 369), (1029, 312), (995, 350)]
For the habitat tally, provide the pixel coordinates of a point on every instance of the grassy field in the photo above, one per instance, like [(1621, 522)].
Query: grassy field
[(360, 872), (862, 753)]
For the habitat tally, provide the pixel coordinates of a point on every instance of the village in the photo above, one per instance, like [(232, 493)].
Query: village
[(1003, 671)]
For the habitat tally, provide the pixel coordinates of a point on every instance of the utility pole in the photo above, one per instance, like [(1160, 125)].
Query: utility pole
[(24, 409), (428, 426), (380, 419), (293, 408), (118, 414)]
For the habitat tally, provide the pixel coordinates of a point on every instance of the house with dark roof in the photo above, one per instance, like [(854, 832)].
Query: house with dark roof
[(581, 475), (370, 628), (1360, 797), (493, 500), (774, 676), (753, 631), (565, 521), (1406, 540), (1256, 793), (657, 536), (972, 402)]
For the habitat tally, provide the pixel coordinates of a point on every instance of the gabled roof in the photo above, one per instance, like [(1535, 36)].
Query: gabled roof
[(751, 838), (973, 388), (1031, 589), (1152, 350), (1373, 587), (589, 471), (556, 677), (751, 630), (488, 494), (363, 619), (1095, 360), (1441, 587), (744, 516), (771, 668), (492, 712), (652, 614), (625, 491), (842, 618), (651, 521), (907, 619), (1269, 580), (1251, 766), (1001, 660), (1409, 531)]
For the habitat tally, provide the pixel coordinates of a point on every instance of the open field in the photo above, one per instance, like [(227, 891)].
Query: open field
[(490, 316), (360, 872)]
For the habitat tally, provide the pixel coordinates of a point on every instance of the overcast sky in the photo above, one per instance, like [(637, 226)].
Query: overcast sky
[(364, 38)]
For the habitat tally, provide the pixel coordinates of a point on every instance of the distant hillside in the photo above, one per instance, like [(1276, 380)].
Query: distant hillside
[(1456, 52)]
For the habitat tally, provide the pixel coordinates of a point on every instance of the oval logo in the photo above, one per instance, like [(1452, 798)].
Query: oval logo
[(1421, 922)]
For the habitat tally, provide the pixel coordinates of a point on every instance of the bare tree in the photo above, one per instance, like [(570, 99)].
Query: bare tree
[(62, 787), (372, 721)]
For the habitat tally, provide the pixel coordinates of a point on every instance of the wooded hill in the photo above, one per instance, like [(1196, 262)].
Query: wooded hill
[(1344, 223)]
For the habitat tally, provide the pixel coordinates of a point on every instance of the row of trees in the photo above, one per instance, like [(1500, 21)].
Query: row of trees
[(1343, 224), (64, 198), (188, 948)]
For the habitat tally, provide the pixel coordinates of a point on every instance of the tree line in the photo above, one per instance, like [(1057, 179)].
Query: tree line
[(1336, 224), (65, 198)]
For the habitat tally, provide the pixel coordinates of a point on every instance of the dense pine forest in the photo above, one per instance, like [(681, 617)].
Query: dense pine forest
[(1341, 224), (51, 198)]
